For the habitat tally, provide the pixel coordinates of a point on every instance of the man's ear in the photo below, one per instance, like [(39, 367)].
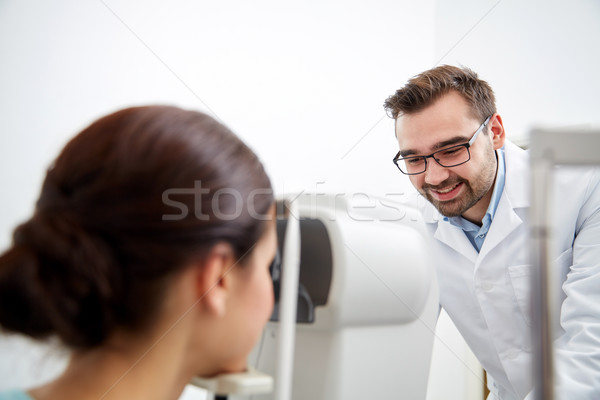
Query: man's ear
[(212, 280), (497, 129)]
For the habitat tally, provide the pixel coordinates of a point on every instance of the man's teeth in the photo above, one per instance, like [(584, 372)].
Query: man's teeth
[(446, 190)]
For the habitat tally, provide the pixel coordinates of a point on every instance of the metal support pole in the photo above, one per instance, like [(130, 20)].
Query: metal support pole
[(288, 306), (550, 148), (542, 306)]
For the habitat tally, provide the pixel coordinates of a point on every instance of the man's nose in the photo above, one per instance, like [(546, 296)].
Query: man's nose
[(435, 173)]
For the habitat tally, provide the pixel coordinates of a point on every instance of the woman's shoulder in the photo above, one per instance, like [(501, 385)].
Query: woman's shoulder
[(15, 394)]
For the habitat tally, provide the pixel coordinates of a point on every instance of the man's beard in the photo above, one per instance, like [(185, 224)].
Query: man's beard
[(457, 206), (470, 194), (471, 191)]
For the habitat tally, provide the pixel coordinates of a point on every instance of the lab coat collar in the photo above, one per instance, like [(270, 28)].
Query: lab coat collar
[(508, 221), (515, 196), (517, 179)]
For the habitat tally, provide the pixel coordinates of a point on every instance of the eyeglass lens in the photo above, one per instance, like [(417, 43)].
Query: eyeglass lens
[(450, 157)]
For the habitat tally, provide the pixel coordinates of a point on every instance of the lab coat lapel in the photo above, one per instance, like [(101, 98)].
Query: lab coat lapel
[(446, 233), (454, 237), (515, 196), (508, 222)]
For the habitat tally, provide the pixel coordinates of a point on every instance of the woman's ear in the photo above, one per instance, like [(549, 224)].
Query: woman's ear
[(212, 282)]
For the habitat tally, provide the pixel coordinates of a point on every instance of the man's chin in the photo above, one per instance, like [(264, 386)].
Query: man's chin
[(448, 209), (449, 213)]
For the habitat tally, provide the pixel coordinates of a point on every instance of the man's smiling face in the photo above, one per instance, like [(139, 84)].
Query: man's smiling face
[(462, 190)]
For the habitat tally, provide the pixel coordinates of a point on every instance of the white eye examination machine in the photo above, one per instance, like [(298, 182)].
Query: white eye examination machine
[(361, 309)]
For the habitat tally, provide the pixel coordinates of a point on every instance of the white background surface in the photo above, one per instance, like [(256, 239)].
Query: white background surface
[(302, 83)]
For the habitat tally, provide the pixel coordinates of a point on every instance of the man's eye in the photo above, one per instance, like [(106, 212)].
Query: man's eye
[(414, 161), (451, 152)]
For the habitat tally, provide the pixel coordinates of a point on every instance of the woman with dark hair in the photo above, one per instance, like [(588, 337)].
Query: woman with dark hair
[(147, 255)]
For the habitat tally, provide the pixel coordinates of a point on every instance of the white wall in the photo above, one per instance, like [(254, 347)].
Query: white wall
[(303, 83), (540, 56)]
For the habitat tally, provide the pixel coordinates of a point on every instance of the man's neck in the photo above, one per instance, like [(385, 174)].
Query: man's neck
[(476, 213)]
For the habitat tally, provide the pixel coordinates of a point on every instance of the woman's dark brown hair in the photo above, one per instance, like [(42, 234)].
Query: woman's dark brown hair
[(130, 201)]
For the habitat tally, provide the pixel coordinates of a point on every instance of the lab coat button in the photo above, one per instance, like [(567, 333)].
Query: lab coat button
[(487, 286), (512, 354)]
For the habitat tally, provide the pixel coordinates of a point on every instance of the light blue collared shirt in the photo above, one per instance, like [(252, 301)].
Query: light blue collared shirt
[(15, 395), (476, 234)]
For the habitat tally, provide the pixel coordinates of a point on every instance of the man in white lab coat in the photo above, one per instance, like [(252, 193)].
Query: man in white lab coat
[(453, 148)]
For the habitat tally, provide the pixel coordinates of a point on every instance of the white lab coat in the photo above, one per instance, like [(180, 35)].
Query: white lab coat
[(487, 294)]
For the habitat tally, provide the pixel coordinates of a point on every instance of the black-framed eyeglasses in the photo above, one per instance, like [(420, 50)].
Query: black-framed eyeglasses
[(448, 157)]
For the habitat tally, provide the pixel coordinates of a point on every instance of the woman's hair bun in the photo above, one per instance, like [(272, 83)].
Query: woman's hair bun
[(57, 279)]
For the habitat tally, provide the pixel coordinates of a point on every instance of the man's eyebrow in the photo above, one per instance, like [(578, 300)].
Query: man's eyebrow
[(406, 153), (452, 141)]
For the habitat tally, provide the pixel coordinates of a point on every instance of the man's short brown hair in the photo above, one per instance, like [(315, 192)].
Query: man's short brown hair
[(424, 89)]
